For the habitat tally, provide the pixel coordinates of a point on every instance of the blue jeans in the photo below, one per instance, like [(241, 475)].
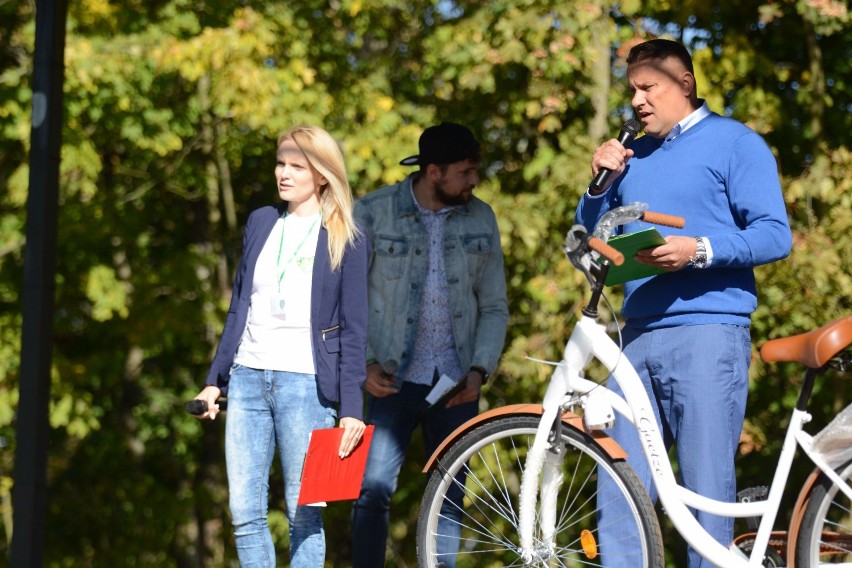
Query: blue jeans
[(697, 380), (265, 409), (395, 418)]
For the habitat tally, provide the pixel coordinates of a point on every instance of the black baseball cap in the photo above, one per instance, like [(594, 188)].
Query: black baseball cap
[(445, 143)]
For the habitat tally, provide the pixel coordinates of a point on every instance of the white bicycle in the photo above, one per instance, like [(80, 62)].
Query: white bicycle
[(529, 471)]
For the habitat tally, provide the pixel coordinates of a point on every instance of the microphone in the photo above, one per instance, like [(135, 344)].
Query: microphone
[(628, 133), (390, 367), (197, 407)]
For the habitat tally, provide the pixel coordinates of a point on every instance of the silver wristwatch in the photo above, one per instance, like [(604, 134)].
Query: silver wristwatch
[(699, 259)]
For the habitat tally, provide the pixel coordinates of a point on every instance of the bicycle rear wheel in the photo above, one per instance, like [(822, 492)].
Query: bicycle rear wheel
[(825, 533), (492, 458)]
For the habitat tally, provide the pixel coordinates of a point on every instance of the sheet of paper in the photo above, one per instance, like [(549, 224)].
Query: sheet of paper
[(444, 384)]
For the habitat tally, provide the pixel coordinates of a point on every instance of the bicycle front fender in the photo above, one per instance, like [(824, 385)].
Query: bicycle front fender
[(571, 420)]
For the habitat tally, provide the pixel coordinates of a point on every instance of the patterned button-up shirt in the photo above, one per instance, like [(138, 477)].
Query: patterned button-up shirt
[(435, 347)]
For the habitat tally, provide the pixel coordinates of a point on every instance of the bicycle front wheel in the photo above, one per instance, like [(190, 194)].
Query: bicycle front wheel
[(486, 466), (825, 533)]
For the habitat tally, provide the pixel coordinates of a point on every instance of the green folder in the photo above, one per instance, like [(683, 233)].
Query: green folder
[(628, 245)]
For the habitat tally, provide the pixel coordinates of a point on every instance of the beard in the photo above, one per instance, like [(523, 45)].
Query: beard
[(449, 199)]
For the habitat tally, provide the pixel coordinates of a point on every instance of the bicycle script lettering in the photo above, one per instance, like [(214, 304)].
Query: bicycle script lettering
[(646, 427)]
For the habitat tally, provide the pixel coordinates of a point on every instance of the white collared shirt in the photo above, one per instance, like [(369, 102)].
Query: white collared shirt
[(691, 120)]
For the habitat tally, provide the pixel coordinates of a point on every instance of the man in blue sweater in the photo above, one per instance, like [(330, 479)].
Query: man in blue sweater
[(687, 330)]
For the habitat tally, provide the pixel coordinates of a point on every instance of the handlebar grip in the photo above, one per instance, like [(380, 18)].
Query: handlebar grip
[(663, 219), (613, 255)]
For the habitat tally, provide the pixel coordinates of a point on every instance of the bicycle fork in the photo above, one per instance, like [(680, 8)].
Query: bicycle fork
[(543, 459)]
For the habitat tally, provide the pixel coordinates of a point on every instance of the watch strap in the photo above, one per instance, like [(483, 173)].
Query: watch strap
[(481, 370), (699, 259)]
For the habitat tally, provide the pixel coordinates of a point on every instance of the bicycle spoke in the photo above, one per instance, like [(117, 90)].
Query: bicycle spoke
[(478, 502)]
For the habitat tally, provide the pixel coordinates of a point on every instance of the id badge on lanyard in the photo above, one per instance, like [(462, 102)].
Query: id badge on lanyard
[(278, 306), (278, 302)]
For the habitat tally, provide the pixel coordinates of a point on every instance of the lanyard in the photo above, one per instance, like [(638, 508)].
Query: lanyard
[(295, 252)]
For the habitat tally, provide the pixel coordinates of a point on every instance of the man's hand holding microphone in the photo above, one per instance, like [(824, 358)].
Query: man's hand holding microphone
[(611, 157)]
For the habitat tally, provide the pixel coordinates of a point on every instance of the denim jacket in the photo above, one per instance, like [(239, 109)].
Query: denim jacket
[(399, 259)]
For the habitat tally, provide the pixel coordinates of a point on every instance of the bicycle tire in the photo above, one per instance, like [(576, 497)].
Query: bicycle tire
[(824, 537), (493, 457)]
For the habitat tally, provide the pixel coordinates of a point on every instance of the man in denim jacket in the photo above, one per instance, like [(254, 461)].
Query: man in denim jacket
[(437, 306)]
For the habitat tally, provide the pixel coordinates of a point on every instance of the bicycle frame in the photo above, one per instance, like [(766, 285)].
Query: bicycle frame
[(567, 386)]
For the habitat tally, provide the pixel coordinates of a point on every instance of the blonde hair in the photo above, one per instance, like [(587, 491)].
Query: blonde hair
[(336, 198)]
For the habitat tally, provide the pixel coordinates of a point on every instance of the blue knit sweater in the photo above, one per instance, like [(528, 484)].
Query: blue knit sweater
[(722, 178)]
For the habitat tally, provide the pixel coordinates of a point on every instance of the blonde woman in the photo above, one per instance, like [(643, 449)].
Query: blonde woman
[(291, 357)]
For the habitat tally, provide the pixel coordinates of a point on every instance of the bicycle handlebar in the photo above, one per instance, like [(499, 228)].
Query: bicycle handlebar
[(579, 243)]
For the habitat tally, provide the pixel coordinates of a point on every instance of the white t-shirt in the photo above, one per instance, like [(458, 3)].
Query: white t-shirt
[(278, 330)]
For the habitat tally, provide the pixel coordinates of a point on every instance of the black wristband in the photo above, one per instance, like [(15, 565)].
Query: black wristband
[(481, 370)]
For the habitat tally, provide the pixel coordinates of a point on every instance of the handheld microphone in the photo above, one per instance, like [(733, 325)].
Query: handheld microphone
[(628, 133), (390, 367), (197, 407)]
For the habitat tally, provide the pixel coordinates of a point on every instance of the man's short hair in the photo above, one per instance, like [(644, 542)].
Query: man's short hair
[(660, 49)]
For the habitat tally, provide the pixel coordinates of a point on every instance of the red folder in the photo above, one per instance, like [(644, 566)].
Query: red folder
[(326, 477)]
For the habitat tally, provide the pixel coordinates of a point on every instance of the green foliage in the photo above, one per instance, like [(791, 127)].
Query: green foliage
[(171, 112)]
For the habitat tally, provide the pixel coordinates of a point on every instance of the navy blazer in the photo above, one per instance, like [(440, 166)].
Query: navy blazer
[(338, 315)]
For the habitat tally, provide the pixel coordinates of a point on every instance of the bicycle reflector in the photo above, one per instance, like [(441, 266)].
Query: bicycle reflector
[(587, 541)]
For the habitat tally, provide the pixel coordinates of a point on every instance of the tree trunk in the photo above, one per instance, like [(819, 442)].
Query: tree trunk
[(817, 86), (599, 124)]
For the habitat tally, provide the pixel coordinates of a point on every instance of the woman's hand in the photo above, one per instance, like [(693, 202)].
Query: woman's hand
[(209, 394), (353, 429)]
